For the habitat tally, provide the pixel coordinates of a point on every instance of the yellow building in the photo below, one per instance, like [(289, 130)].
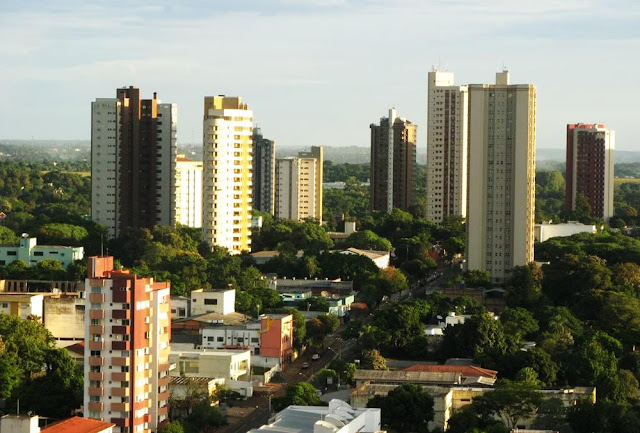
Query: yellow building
[(227, 159)]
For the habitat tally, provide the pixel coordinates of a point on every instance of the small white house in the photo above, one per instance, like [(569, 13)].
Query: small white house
[(31, 253), (213, 301), (547, 230)]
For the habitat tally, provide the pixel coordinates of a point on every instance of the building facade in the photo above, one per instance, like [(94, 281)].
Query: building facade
[(500, 217), (299, 186), (590, 168), (127, 333), (188, 192), (264, 172), (393, 159), (31, 253), (133, 157), (447, 146), (227, 201)]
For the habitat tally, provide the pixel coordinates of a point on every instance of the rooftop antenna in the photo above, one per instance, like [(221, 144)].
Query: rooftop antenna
[(101, 245)]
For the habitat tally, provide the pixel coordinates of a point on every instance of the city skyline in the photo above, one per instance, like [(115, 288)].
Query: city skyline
[(68, 52)]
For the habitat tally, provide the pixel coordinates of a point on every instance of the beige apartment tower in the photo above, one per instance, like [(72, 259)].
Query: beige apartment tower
[(502, 139), (447, 146), (227, 163), (298, 194), (188, 192)]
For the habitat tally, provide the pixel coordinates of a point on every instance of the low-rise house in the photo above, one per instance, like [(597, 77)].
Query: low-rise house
[(337, 417), (31, 253), (548, 230), (180, 307), (22, 305), (380, 258), (233, 367), (31, 424), (220, 301), (64, 317), (270, 336), (449, 400)]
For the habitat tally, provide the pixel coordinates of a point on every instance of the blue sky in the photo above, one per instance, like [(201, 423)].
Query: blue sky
[(315, 72)]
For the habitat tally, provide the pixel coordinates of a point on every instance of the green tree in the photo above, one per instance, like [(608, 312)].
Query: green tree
[(58, 393), (367, 240), (478, 336), (372, 360), (525, 286), (8, 237), (204, 418), (405, 408), (511, 401), (570, 276), (394, 280), (62, 234), (299, 394), (172, 427), (346, 370), (518, 322), (476, 278)]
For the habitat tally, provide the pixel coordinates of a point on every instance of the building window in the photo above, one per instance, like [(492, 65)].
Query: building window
[(220, 339), (12, 253), (210, 302), (38, 253)]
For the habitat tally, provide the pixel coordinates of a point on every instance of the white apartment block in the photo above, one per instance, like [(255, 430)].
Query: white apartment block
[(500, 218), (188, 192), (105, 115), (167, 154), (447, 146), (227, 201), (299, 186)]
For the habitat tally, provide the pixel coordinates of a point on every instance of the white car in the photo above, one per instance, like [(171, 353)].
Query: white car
[(315, 357)]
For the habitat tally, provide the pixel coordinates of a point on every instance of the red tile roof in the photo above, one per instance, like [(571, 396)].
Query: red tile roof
[(464, 370), (76, 348), (78, 425)]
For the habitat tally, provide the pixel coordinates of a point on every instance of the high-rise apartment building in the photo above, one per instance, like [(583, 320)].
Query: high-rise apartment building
[(590, 168), (133, 156), (227, 201), (393, 159), (299, 186), (315, 177), (447, 147), (188, 192), (127, 333), (500, 216), (264, 172)]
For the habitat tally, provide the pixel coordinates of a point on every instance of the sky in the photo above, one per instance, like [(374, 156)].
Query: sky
[(315, 72)]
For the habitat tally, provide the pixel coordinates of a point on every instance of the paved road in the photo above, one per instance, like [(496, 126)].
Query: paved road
[(292, 375)]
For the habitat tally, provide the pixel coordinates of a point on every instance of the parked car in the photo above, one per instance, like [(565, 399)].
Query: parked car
[(305, 365), (315, 356)]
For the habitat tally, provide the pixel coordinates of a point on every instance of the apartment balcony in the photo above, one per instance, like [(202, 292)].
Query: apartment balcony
[(95, 361), (96, 375), (96, 297), (121, 362), (96, 329), (96, 314), (120, 422), (119, 376), (121, 314), (119, 407), (120, 392), (164, 395), (164, 381), (121, 345), (95, 406), (121, 329), (96, 392), (96, 345)]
